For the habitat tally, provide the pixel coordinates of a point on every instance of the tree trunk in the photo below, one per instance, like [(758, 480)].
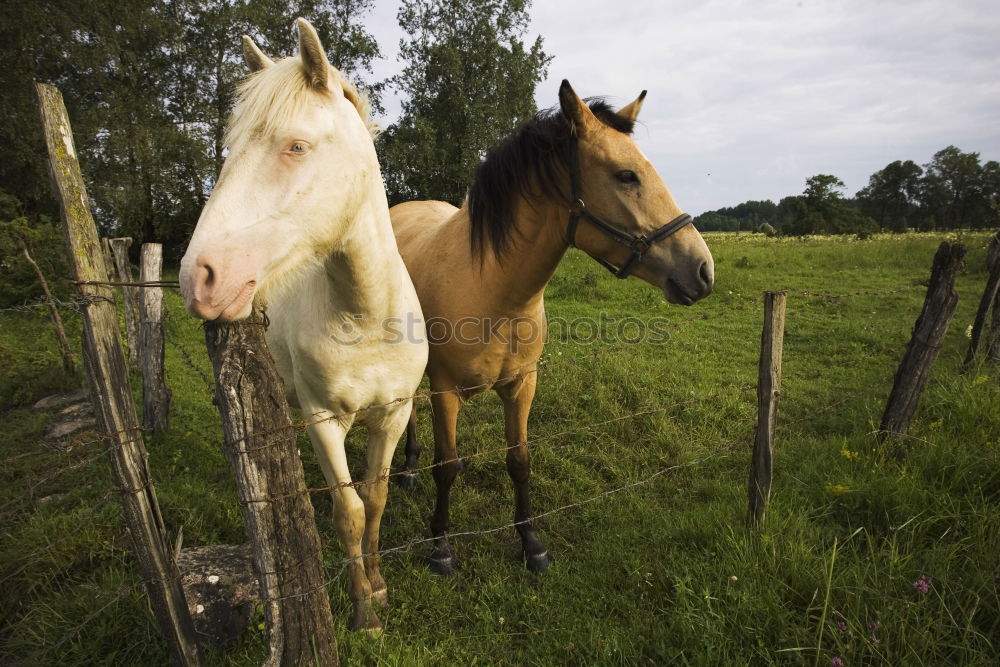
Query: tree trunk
[(67, 353), (260, 444)]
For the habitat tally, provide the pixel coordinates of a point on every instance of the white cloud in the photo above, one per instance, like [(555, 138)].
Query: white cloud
[(748, 99)]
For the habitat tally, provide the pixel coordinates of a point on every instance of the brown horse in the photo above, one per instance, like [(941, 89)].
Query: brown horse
[(481, 271)]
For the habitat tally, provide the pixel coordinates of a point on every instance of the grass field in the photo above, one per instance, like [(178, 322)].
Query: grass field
[(874, 555)]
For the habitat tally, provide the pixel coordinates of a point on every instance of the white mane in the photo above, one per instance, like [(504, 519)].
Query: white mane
[(267, 99)]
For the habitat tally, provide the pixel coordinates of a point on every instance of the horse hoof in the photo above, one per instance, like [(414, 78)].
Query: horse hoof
[(366, 621), (406, 480), (381, 597), (442, 566), (538, 562)]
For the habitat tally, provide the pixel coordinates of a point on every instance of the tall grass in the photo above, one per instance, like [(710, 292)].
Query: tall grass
[(660, 572)]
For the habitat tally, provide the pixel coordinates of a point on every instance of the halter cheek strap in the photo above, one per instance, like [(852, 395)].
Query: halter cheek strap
[(639, 244)]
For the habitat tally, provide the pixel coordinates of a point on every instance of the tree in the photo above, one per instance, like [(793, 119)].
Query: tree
[(469, 81), (952, 194), (149, 86), (891, 197), (748, 216), (822, 210), (716, 221)]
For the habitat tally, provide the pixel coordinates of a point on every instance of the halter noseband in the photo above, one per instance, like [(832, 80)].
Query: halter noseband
[(639, 244)]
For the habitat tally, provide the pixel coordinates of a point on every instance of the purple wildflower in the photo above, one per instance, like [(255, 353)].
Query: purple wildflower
[(874, 625), (841, 625), (923, 584), (837, 661), (874, 640)]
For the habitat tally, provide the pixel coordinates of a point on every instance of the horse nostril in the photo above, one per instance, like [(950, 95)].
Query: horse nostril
[(207, 275), (204, 277), (705, 274)]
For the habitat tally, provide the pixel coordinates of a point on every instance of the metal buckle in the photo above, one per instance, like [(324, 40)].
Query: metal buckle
[(640, 244)]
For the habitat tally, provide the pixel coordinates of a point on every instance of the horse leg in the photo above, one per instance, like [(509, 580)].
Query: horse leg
[(381, 445), (348, 516), (445, 408), (408, 475), (517, 398)]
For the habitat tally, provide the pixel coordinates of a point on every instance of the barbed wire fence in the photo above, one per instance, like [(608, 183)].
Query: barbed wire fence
[(722, 450), (557, 440), (550, 364)]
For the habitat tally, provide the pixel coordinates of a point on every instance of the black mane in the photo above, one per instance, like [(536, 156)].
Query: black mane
[(531, 163)]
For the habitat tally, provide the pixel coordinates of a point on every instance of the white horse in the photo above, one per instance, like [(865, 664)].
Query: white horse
[(299, 222)]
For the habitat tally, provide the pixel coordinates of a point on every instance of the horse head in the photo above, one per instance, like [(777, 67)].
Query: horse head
[(300, 163), (622, 213)]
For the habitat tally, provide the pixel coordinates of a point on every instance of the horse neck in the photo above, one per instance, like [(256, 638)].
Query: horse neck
[(535, 250), (365, 270)]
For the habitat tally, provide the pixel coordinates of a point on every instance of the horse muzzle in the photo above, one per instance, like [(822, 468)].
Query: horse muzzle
[(211, 295)]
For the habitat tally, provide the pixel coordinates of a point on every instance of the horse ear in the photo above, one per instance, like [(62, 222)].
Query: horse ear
[(317, 67), (631, 110), (254, 57), (576, 110)]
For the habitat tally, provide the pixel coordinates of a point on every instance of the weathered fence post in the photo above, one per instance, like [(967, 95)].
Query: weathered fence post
[(109, 386), (130, 297), (768, 390), (989, 296), (155, 392), (260, 443), (925, 343), (109, 257), (993, 349)]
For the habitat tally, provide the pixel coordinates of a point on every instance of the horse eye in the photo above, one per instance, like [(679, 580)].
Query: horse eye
[(298, 147), (626, 176)]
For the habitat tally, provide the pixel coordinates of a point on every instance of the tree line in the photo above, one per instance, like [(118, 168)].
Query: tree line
[(955, 190), (149, 86)]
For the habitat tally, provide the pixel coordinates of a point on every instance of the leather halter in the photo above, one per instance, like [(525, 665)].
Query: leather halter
[(639, 244)]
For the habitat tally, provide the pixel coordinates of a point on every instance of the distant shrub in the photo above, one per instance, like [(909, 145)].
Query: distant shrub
[(767, 230)]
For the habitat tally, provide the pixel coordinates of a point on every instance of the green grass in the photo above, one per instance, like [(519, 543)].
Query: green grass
[(660, 573)]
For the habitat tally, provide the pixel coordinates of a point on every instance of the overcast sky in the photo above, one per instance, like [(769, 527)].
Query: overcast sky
[(748, 99)]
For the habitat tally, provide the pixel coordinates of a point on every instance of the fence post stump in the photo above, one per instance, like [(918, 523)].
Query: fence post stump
[(925, 343), (130, 296), (260, 444), (109, 386), (990, 294), (155, 392), (768, 390)]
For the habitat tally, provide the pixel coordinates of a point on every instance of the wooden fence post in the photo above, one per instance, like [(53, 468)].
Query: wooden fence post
[(109, 257), (989, 296), (993, 348), (925, 343), (130, 297), (109, 386), (155, 392), (768, 390), (260, 443)]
